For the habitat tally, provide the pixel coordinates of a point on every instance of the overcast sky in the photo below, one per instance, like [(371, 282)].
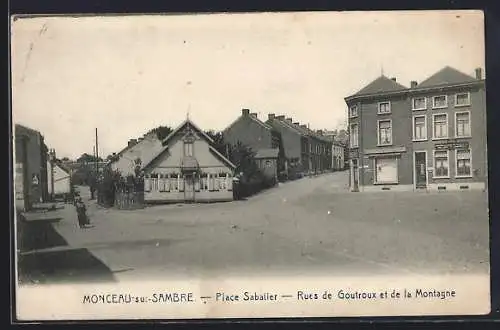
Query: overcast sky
[(126, 75)]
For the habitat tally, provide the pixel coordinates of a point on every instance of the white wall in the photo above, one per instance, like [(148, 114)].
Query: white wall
[(146, 150)]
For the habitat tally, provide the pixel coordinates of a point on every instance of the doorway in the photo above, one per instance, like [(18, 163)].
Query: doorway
[(420, 169), (189, 191)]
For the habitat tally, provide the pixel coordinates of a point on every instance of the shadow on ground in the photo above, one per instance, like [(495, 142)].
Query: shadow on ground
[(36, 266)]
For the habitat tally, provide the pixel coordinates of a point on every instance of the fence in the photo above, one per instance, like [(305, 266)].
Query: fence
[(129, 200)]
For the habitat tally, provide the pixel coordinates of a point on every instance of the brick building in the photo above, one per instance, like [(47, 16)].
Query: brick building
[(306, 151), (422, 137), (249, 130)]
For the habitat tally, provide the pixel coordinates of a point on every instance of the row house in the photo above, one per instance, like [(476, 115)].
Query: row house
[(338, 152), (306, 151), (264, 141), (429, 136)]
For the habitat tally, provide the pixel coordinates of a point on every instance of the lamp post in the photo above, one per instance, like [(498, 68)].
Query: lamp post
[(52, 161)]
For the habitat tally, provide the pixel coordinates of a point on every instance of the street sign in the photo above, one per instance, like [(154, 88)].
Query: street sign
[(452, 144)]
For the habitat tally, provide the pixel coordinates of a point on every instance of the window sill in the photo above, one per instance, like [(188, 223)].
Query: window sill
[(442, 107), (384, 145), (385, 183), (463, 137), (441, 177), (419, 140), (439, 138), (463, 176), (383, 113), (420, 109), (462, 105)]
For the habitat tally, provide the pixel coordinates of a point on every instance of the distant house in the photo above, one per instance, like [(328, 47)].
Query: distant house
[(188, 169), (250, 131), (30, 167), (137, 153), (59, 179)]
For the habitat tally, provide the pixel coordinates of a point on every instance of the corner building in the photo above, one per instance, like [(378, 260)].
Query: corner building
[(431, 136)]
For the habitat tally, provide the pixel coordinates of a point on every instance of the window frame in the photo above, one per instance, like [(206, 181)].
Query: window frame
[(384, 113), (426, 129), (375, 181), (434, 176), (434, 125), (352, 135), (440, 107), (456, 164), (378, 132), (462, 105), (186, 144), (456, 126), (413, 103), (356, 114)]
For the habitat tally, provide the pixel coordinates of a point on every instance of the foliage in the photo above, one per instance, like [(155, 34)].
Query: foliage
[(86, 158), (161, 132), (219, 143)]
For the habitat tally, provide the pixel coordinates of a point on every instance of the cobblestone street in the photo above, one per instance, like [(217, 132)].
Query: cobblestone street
[(310, 226)]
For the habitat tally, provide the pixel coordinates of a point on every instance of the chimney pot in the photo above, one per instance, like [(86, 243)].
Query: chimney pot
[(132, 142), (289, 120), (253, 114), (393, 78), (479, 73), (270, 116), (413, 84), (245, 112), (297, 124)]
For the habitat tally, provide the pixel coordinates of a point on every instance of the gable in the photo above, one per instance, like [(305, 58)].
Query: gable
[(447, 76), (381, 85)]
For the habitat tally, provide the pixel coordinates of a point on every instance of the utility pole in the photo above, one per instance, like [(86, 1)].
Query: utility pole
[(52, 162), (96, 152)]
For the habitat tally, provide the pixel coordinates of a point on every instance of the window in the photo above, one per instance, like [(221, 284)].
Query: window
[(440, 101), (419, 128), (463, 158), (188, 149), (384, 132), (384, 107), (462, 124), (440, 130), (353, 135), (462, 99), (441, 167), (386, 170), (419, 103), (353, 111)]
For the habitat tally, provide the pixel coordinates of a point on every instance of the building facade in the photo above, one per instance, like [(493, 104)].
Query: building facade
[(306, 151), (30, 175), (137, 153), (188, 169), (264, 141), (422, 137)]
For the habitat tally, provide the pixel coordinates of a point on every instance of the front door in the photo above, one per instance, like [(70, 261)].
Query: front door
[(189, 190), (420, 169)]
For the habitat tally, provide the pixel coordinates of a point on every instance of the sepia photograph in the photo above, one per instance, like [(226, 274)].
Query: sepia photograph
[(300, 164)]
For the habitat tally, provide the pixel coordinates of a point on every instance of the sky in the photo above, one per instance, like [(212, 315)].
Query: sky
[(126, 75)]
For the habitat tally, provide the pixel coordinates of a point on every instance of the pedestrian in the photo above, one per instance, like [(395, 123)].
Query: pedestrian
[(81, 211)]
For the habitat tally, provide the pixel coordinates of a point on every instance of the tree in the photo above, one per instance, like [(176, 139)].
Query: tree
[(86, 158), (219, 143), (161, 132), (65, 159)]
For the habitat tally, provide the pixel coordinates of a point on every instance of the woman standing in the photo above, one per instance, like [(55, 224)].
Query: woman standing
[(81, 211)]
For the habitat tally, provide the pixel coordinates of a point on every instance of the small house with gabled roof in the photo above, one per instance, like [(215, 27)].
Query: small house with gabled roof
[(188, 169)]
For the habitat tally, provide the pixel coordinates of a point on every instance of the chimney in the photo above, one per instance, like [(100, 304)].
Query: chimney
[(413, 84), (320, 132), (289, 120), (479, 73), (253, 114), (280, 117), (270, 116), (303, 126), (393, 78), (132, 142), (296, 124), (245, 112)]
